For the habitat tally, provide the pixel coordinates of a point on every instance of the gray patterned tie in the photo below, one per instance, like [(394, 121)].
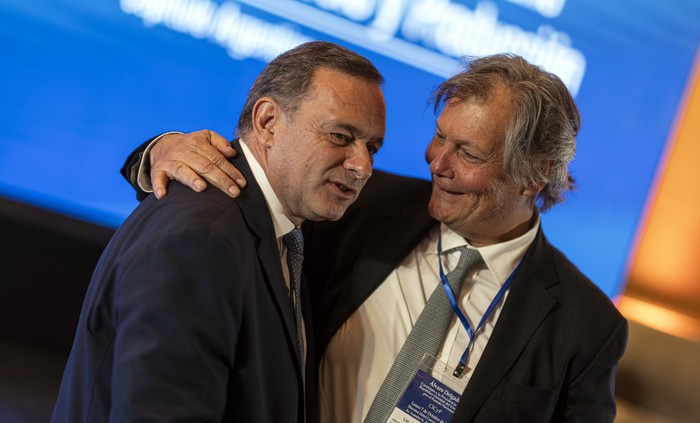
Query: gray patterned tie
[(294, 241), (426, 337)]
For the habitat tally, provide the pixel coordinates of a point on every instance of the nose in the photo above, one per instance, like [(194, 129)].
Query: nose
[(359, 161), (438, 156)]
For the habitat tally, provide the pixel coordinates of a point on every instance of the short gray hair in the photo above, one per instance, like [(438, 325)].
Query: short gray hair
[(287, 77), (541, 136)]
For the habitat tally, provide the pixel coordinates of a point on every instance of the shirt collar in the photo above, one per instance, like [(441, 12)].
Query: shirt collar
[(280, 220), (501, 258)]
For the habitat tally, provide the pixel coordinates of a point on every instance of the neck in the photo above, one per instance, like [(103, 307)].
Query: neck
[(512, 231), (257, 149), (259, 153)]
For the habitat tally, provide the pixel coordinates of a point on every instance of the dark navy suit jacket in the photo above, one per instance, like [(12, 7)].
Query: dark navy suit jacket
[(187, 318)]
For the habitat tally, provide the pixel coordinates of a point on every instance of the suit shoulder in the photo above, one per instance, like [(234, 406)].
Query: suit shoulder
[(182, 206), (579, 291), (181, 213)]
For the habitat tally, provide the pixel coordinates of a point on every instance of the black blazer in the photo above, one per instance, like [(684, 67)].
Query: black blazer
[(187, 318), (554, 350)]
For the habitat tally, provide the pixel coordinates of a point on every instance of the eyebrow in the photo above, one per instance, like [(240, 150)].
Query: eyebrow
[(354, 130), (461, 142)]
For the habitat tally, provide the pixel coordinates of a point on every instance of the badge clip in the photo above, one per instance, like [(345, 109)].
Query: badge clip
[(459, 369)]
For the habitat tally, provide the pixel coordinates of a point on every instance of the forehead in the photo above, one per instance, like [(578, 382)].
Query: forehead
[(334, 95), (338, 87), (474, 120)]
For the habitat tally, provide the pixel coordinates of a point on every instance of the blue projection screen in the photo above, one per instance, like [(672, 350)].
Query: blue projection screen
[(84, 82)]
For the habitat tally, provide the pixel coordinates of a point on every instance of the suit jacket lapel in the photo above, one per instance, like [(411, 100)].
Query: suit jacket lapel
[(257, 215), (527, 304)]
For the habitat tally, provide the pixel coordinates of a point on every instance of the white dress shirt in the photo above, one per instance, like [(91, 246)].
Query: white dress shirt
[(363, 350)]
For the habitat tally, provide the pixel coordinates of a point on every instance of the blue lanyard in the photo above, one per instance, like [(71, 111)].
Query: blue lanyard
[(453, 302)]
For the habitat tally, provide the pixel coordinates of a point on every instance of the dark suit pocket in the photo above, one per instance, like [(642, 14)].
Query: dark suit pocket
[(526, 395)]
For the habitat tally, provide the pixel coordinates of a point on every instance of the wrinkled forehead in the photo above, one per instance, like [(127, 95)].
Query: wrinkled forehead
[(325, 79), (351, 102), (341, 90)]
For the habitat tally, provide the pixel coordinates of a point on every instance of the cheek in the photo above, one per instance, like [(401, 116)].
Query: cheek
[(472, 180)]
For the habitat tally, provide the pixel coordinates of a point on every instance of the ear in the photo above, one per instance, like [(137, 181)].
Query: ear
[(533, 190), (267, 114)]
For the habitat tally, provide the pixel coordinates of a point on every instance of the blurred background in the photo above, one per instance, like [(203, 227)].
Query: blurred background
[(82, 83)]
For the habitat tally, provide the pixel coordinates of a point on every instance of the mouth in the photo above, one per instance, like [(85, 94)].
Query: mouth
[(344, 190), (437, 187)]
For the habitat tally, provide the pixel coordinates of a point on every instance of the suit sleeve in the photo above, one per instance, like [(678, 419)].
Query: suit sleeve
[(591, 395), (130, 168), (176, 330)]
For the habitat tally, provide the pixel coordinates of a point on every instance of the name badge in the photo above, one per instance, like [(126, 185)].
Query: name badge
[(431, 396)]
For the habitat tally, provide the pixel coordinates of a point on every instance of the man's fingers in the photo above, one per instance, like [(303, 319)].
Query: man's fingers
[(212, 153), (193, 159), (159, 180), (236, 177), (220, 143), (210, 172), (210, 164), (185, 175), (213, 173)]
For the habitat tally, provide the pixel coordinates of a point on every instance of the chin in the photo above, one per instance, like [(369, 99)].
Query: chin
[(434, 211), (336, 214), (448, 217), (331, 215)]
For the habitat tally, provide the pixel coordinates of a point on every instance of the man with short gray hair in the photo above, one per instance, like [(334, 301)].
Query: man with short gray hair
[(197, 311)]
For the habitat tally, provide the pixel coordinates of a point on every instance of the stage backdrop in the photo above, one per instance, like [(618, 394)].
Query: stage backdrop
[(83, 82)]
